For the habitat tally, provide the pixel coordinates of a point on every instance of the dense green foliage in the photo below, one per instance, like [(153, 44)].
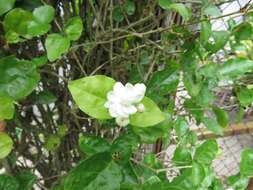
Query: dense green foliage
[(59, 60)]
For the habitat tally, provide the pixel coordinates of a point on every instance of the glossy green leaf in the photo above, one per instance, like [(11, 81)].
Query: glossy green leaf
[(122, 147), (91, 145), (181, 9), (150, 117), (212, 125), (211, 10), (164, 81), (130, 179), (45, 97), (206, 152), (182, 156), (217, 41), (53, 142), (235, 67), (205, 97), (56, 45), (243, 31), (44, 14), (165, 4), (206, 31), (198, 174), (18, 78), (97, 172), (39, 61), (73, 28), (129, 7), (62, 131), (192, 84), (6, 6), (237, 182), (221, 116), (181, 127), (6, 145), (152, 183), (17, 20), (7, 108), (151, 134), (26, 180), (8, 183), (178, 7), (35, 28), (246, 163), (20, 24), (117, 14), (245, 96), (90, 94)]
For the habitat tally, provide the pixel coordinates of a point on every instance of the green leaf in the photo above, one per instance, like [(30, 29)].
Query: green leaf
[(129, 7), (8, 183), (217, 184), (26, 180), (73, 28), (192, 83), (205, 96), (165, 4), (130, 179), (62, 131), (45, 97), (219, 40), (35, 29), (211, 10), (44, 14), (91, 145), (212, 125), (181, 9), (6, 145), (39, 61), (90, 94), (206, 152), (124, 146), (246, 163), (117, 14), (6, 6), (149, 135), (235, 67), (245, 96), (18, 78), (150, 117), (182, 156), (198, 173), (53, 142), (56, 45), (243, 31), (97, 172), (152, 183), (164, 81), (17, 20), (181, 126), (206, 31), (20, 24), (237, 182), (7, 108), (221, 116)]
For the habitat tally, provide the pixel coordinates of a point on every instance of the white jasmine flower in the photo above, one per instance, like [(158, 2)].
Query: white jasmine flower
[(122, 121), (123, 101), (140, 108)]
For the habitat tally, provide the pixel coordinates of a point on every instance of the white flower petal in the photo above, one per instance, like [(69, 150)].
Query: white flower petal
[(118, 86), (122, 121), (140, 108), (130, 109)]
